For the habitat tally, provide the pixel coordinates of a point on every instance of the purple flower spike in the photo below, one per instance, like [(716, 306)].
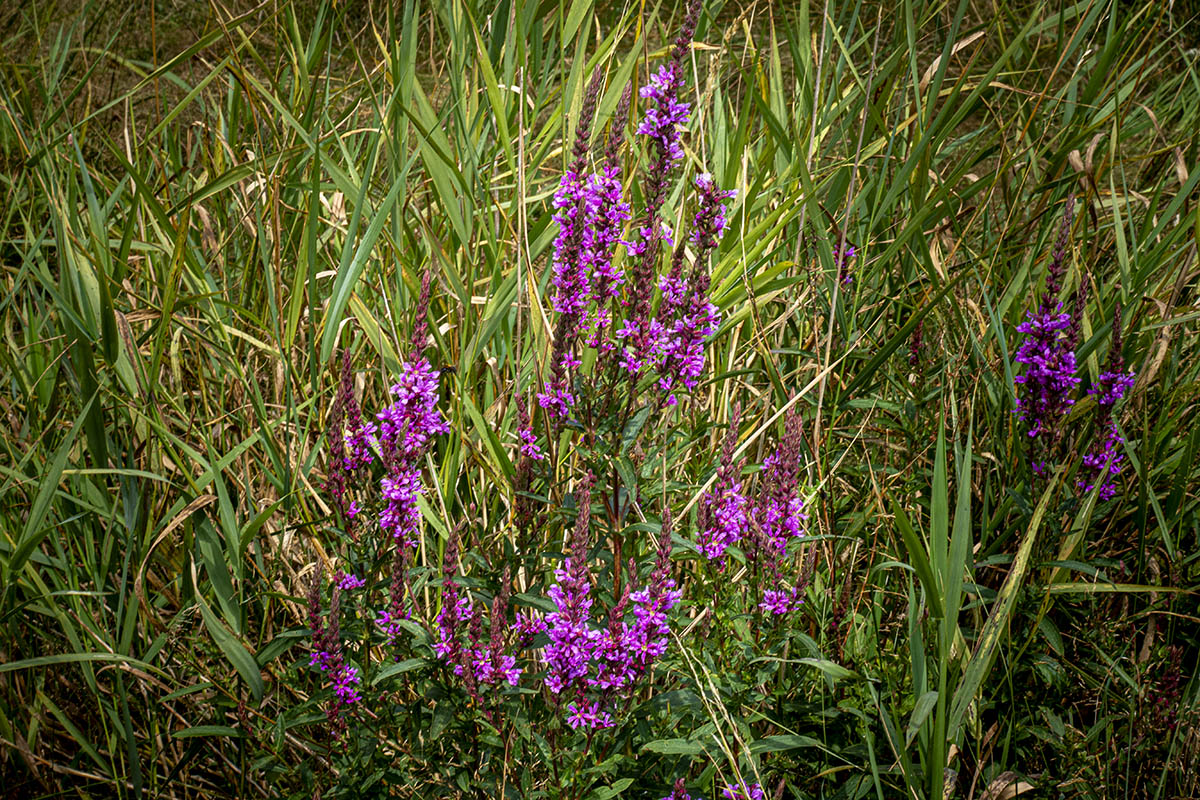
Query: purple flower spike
[(529, 446), (1047, 351), (1103, 461), (1049, 378), (572, 640), (843, 262), (650, 633), (665, 113), (723, 517), (407, 426)]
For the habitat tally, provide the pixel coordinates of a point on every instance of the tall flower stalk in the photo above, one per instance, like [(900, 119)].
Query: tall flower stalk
[(1045, 388), (1103, 461)]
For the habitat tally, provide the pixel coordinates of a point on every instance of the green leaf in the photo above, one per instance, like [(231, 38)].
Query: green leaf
[(676, 747), (233, 649)]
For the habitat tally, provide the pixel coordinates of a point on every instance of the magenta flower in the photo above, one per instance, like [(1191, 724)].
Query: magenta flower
[(736, 791), (582, 714), (1102, 463), (529, 446), (348, 580), (1048, 351), (724, 509), (679, 792), (572, 640), (407, 426)]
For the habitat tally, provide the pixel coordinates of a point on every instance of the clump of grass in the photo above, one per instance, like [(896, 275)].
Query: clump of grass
[(198, 225)]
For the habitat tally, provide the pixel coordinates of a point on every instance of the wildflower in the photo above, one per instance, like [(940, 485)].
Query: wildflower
[(408, 425), (679, 792), (843, 259), (492, 664), (587, 715), (529, 447), (349, 444), (608, 213), (571, 280), (406, 429), (528, 626), (348, 580), (455, 610), (722, 519), (401, 516), (664, 116), (776, 601), (681, 350), (649, 634), (777, 517), (572, 641), (359, 434), (779, 514), (327, 655), (742, 791), (1104, 458), (1049, 379), (612, 655)]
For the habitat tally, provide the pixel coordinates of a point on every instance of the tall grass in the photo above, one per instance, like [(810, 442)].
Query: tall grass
[(185, 254)]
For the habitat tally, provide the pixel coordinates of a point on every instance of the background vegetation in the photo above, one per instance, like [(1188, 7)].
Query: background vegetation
[(205, 202)]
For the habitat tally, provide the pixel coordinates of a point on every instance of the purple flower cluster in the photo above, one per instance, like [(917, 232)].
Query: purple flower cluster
[(1048, 351), (591, 213), (679, 792), (680, 350), (1049, 378), (348, 580), (724, 517), (665, 113), (647, 638), (1104, 458), (779, 517), (478, 662), (529, 446), (843, 261), (405, 430), (572, 640), (583, 660), (742, 791), (327, 655), (763, 527)]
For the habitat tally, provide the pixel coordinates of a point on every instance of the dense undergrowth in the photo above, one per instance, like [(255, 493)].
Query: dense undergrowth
[(203, 230)]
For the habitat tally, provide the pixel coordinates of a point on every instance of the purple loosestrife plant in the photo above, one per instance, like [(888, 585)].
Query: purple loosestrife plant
[(779, 517), (1102, 462), (406, 431), (328, 657), (723, 517), (609, 214), (572, 639), (350, 442), (648, 636), (529, 446), (845, 275), (664, 116), (681, 352), (571, 280), (1044, 390)]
